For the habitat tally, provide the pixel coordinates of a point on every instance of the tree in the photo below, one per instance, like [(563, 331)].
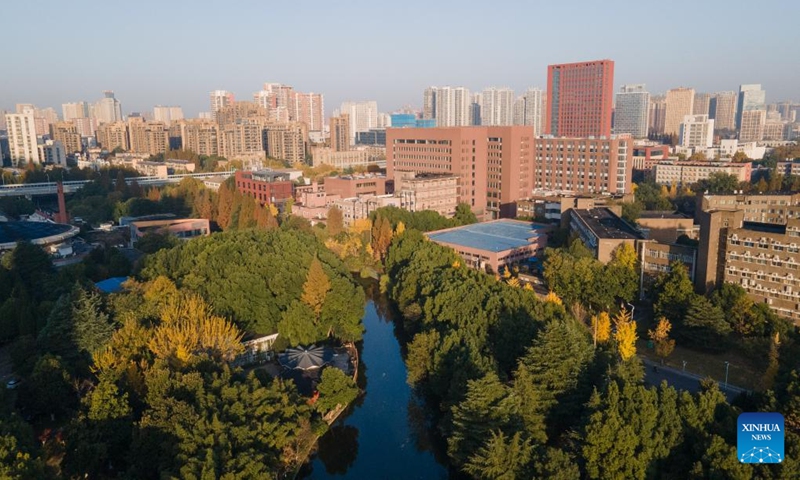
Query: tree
[(740, 157), (601, 327), (704, 324), (335, 224), (464, 215), (773, 364), (673, 292), (335, 389), (316, 288), (91, 328), (660, 336), (732, 299), (381, 236), (625, 335), (297, 325), (49, 389), (501, 458)]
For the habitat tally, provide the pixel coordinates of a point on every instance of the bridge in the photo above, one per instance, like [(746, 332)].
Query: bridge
[(49, 188)]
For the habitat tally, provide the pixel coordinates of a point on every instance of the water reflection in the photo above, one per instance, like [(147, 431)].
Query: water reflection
[(387, 433)]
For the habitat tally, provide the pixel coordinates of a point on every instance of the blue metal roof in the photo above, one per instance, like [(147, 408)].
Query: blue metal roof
[(111, 285), (495, 236)]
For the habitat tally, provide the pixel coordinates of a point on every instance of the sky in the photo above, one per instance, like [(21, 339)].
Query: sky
[(175, 52)]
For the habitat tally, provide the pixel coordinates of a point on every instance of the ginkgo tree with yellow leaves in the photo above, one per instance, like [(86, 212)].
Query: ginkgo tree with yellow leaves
[(625, 334)]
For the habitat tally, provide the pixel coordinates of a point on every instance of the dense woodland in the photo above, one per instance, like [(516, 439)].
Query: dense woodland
[(526, 390)]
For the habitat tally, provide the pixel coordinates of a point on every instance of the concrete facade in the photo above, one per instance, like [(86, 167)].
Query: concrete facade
[(580, 98), (687, 173)]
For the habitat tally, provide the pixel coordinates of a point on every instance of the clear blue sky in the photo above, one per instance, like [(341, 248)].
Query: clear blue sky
[(174, 52)]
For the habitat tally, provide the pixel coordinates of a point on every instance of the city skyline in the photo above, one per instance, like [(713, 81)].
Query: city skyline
[(142, 78)]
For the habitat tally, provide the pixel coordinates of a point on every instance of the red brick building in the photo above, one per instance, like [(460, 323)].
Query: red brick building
[(265, 185), (580, 99), (348, 186)]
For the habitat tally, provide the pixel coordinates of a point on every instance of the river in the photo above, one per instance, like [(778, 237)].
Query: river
[(386, 433)]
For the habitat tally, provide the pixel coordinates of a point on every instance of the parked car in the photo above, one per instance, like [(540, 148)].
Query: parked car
[(13, 383)]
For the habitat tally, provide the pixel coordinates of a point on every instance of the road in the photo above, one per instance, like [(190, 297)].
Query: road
[(682, 380)]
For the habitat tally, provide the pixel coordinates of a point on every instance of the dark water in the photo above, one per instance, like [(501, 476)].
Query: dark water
[(385, 435)]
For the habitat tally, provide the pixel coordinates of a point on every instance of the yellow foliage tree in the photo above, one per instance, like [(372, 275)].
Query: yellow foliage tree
[(160, 291), (625, 255), (626, 334), (316, 287), (528, 287), (456, 264), (660, 337), (552, 297), (506, 272), (601, 327), (360, 226), (513, 281), (400, 228)]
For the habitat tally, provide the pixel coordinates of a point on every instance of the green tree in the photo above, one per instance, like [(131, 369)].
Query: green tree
[(90, 324), (705, 325), (49, 389), (501, 458), (673, 293), (335, 388), (464, 215), (297, 325)]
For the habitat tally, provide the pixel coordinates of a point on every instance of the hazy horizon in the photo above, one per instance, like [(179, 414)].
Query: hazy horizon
[(169, 54)]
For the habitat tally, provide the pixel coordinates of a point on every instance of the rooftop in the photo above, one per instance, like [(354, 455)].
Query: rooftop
[(494, 236), (35, 232), (663, 214), (605, 224), (765, 227)]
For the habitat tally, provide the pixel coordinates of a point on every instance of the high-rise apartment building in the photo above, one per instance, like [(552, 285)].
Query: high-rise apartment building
[(449, 106), (113, 135), (242, 138), (167, 115), (631, 109), (497, 107), (583, 165), (679, 103), (67, 133), (702, 104), (200, 136), (287, 141), (751, 125), (71, 111), (363, 117), (580, 98), (697, 131), (751, 98), (722, 109), (309, 108), (657, 114), (529, 109), (108, 109), (340, 133), (219, 100), (147, 136), (22, 141)]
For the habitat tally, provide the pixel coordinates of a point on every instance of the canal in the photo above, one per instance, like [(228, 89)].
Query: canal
[(386, 433)]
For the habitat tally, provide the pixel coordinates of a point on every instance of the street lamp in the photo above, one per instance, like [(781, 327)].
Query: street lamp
[(684, 365), (727, 364)]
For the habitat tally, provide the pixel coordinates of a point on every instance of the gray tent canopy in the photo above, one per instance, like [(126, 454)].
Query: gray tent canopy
[(306, 358)]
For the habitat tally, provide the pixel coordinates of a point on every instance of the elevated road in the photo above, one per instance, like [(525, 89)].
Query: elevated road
[(49, 188)]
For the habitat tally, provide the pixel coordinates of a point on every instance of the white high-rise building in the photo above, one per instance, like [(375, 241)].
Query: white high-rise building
[(497, 106), (452, 107), (722, 109), (108, 109), (697, 131), (167, 115), (71, 111), (630, 110), (384, 120), (220, 99), (363, 116), (22, 138), (529, 110), (751, 113)]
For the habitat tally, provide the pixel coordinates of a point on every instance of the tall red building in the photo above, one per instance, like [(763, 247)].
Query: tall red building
[(580, 99)]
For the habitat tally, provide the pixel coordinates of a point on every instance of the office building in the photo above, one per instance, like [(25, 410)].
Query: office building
[(493, 164), (687, 173), (697, 131), (22, 139), (287, 141), (219, 100), (751, 98), (111, 136), (679, 103), (580, 98), (266, 186), (363, 117), (436, 192), (347, 186), (167, 115), (529, 109), (722, 109), (374, 137), (497, 107), (702, 104), (631, 108), (67, 133), (403, 120), (340, 133), (108, 109)]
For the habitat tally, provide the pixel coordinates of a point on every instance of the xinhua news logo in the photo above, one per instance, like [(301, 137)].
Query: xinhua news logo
[(760, 438)]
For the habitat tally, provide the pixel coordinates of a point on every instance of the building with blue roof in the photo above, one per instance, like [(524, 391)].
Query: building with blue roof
[(111, 285), (492, 245)]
